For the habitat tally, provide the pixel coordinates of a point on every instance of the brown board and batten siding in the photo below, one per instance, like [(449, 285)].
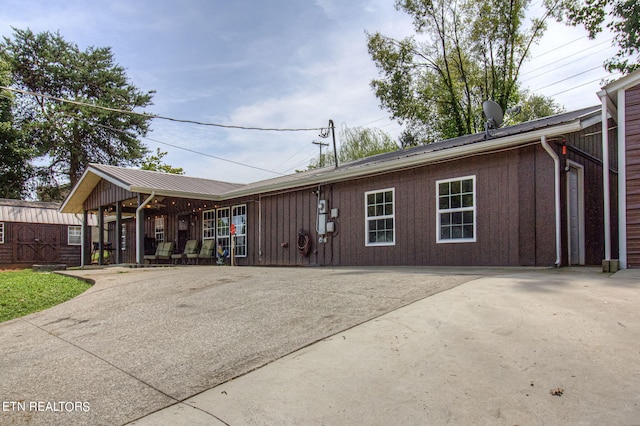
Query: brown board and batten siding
[(514, 216), (632, 108), (106, 194)]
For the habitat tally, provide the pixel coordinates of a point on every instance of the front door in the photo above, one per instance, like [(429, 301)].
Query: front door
[(575, 214)]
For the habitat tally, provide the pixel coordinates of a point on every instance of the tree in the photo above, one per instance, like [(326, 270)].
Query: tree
[(154, 163), (465, 52), (624, 23), (66, 135), (15, 170), (357, 143)]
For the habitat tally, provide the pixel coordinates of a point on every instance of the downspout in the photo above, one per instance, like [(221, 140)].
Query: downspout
[(556, 163), (139, 227)]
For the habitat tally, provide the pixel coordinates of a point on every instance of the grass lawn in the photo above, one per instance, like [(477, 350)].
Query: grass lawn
[(24, 292)]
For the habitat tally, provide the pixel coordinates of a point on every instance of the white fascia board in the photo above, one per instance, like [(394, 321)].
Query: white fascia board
[(415, 160)]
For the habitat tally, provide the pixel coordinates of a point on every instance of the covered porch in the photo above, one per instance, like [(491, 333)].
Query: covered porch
[(137, 210)]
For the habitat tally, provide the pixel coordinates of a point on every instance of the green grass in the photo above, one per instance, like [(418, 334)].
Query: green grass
[(24, 292)]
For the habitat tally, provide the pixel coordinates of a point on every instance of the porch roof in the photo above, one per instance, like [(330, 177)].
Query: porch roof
[(144, 182)]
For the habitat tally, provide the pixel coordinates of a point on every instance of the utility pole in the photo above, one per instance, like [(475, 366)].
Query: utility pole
[(320, 144)]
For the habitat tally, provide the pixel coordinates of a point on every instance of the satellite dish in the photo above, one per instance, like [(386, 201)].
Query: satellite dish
[(494, 114)]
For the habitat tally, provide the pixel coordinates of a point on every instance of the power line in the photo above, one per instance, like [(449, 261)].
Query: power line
[(200, 123)]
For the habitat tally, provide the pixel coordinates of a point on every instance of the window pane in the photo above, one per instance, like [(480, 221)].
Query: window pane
[(371, 211), (443, 188), (371, 199), (467, 185), (389, 236), (388, 197), (444, 203), (467, 200), (456, 218), (379, 198), (468, 231), (445, 219), (455, 187), (456, 201), (456, 232), (388, 209), (467, 217), (379, 210), (389, 224), (445, 233)]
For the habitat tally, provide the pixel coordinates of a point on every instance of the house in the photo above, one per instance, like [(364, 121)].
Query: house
[(621, 106), (529, 194), (37, 232)]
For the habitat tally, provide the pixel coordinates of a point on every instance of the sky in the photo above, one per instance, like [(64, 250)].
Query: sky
[(271, 64)]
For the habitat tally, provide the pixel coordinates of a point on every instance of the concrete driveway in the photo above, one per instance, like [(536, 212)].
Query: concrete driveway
[(143, 339)]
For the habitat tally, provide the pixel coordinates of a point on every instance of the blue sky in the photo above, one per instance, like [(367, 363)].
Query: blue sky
[(280, 63)]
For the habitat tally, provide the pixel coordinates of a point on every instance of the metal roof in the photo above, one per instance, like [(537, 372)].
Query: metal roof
[(144, 182), (35, 212), (141, 181), (506, 137)]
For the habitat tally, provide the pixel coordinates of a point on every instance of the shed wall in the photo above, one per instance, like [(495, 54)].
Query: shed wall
[(26, 244)]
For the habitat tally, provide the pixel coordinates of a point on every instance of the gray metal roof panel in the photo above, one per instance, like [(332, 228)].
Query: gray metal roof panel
[(35, 212)]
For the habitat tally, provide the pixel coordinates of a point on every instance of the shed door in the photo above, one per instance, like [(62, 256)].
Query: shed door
[(36, 243), (575, 214)]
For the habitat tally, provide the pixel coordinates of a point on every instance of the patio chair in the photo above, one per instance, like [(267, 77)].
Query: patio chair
[(166, 250), (206, 252), (153, 257), (190, 248)]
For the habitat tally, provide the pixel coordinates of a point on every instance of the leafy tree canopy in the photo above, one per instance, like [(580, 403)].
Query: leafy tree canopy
[(622, 18), (15, 170), (154, 163), (464, 52), (355, 143), (68, 136)]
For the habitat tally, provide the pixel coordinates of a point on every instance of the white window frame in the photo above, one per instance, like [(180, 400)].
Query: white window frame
[(123, 237), (240, 221), (385, 216), (223, 228), (159, 229), (1, 232), (441, 211), (74, 232), (209, 225)]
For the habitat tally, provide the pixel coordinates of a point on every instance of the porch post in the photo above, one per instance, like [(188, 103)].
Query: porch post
[(101, 236), (118, 233), (86, 240)]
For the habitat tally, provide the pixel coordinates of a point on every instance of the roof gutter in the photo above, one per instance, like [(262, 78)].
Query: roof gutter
[(556, 164), (140, 228)]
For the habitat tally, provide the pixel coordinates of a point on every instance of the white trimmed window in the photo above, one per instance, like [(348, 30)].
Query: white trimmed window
[(223, 228), (159, 229), (380, 217), (456, 210), (1, 233), (123, 238), (74, 235), (239, 219), (208, 225)]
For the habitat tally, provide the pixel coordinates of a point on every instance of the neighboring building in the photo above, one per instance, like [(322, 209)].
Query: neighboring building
[(37, 232), (621, 102), (529, 194)]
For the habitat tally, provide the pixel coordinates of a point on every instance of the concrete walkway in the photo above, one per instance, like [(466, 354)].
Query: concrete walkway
[(550, 347), (237, 346)]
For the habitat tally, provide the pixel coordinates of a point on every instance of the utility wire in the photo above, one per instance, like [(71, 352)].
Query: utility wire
[(200, 123)]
